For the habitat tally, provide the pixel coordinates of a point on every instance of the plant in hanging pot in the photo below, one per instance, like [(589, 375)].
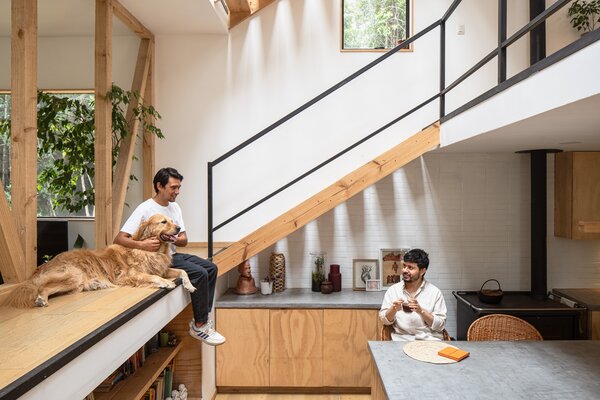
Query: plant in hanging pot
[(585, 15)]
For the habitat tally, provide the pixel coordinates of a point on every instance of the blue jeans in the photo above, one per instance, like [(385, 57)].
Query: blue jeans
[(203, 275)]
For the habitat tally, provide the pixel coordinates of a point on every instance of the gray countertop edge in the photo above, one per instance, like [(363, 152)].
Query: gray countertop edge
[(303, 298), (587, 297)]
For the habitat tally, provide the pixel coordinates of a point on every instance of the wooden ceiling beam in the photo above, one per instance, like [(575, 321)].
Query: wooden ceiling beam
[(127, 148), (131, 21), (24, 132), (103, 124)]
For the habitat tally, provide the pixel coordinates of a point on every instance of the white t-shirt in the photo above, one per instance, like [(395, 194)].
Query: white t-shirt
[(147, 209), (410, 326)]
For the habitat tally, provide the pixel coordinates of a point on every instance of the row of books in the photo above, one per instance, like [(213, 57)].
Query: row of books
[(162, 387), (129, 367)]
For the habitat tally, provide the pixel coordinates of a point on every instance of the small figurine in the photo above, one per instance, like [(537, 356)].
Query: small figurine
[(245, 283)]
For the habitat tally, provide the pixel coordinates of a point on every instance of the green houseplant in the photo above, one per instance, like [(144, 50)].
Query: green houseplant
[(585, 15), (66, 146)]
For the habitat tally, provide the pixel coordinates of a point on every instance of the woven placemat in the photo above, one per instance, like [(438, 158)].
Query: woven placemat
[(427, 351)]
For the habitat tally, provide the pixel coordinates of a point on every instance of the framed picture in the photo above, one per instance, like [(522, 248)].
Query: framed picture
[(373, 285), (391, 265), (364, 270)]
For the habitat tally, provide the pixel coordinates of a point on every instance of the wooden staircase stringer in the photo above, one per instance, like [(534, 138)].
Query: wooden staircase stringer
[(337, 193), (239, 10)]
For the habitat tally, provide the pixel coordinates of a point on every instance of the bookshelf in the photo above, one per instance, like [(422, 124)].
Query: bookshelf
[(135, 386)]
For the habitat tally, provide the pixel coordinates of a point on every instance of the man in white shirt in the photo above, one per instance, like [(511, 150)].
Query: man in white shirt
[(202, 273), (415, 307)]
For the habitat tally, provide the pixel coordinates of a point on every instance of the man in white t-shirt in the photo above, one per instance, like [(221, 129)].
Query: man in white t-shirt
[(202, 273), (415, 307)]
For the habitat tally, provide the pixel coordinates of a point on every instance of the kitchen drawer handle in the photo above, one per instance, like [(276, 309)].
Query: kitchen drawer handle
[(589, 226)]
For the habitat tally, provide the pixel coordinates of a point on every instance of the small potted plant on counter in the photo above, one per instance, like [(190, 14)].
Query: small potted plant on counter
[(266, 285)]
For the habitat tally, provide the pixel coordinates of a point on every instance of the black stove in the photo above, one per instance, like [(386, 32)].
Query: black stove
[(553, 319)]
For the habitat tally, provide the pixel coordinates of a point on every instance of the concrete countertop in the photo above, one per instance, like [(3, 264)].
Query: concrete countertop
[(549, 369), (303, 298), (589, 298)]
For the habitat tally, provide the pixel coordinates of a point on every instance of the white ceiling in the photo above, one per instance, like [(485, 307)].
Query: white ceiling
[(162, 17), (573, 127)]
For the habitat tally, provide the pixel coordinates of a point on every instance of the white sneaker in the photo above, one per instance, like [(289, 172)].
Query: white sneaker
[(206, 333)]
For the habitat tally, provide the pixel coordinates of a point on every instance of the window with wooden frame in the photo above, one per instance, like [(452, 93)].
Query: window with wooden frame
[(374, 25)]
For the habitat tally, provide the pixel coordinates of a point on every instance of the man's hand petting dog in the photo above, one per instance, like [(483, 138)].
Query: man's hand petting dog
[(151, 244)]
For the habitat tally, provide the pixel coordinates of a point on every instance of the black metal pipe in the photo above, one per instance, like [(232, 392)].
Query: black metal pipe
[(442, 68), (501, 38), (537, 37), (538, 224), (209, 215)]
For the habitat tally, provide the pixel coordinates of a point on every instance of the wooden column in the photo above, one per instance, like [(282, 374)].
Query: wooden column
[(123, 166), (149, 138), (11, 253), (103, 124), (24, 129)]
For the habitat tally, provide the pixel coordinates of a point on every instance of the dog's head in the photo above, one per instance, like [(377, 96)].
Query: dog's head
[(157, 226)]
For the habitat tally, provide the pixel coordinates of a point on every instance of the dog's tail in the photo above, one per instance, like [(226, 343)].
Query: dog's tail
[(22, 295)]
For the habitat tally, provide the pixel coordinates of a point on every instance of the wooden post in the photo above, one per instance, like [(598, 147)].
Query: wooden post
[(24, 129), (11, 253), (123, 166), (103, 124), (149, 138)]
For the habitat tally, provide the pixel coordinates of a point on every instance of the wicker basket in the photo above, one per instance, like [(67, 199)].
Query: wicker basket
[(490, 296), (277, 271)]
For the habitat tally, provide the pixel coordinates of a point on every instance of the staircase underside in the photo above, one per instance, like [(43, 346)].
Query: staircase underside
[(337, 193), (239, 10)]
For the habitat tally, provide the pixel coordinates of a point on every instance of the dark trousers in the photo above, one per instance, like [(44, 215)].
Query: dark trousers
[(203, 275)]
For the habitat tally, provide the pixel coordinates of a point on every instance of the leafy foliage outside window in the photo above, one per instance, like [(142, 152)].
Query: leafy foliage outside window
[(374, 24), (66, 147)]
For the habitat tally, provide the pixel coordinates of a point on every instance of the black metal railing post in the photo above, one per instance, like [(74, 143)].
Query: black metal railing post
[(442, 68), (209, 216), (501, 39)]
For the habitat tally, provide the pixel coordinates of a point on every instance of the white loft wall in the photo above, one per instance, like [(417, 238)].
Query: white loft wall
[(470, 211), (215, 92)]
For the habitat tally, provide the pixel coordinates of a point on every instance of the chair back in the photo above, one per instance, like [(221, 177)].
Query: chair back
[(386, 333), (502, 327)]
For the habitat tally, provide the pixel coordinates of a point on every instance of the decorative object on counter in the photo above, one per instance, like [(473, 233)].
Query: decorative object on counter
[(335, 277), (245, 283), (362, 271), (277, 271), (373, 285), (490, 296), (317, 261), (266, 285), (391, 265), (326, 287)]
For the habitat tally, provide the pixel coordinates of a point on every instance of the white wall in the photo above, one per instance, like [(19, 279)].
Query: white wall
[(470, 211)]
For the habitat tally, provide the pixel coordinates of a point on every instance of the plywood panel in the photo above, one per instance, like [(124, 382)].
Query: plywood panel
[(296, 347), (586, 192), (596, 325), (243, 360), (346, 357)]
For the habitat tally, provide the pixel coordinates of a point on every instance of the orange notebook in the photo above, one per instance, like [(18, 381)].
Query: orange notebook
[(453, 353)]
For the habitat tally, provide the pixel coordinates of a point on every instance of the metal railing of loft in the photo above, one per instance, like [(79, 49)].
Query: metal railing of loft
[(499, 52)]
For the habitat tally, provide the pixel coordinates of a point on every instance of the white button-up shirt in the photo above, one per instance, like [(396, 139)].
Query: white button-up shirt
[(410, 325)]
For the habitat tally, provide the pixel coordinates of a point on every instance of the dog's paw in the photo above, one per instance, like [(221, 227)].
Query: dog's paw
[(40, 302), (167, 284), (189, 287), (95, 285)]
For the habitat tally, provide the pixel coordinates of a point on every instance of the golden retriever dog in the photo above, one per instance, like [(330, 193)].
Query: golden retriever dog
[(81, 270)]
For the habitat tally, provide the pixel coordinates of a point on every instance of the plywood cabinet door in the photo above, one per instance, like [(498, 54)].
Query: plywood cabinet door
[(296, 348), (595, 325), (346, 357), (243, 360), (577, 195)]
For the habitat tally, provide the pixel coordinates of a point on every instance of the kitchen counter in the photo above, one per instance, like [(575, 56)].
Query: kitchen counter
[(494, 370), (303, 298), (589, 298)]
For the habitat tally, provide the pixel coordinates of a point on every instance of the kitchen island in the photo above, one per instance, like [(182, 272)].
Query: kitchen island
[(494, 370)]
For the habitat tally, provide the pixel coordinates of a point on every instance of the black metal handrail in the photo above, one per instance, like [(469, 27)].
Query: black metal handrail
[(499, 51)]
